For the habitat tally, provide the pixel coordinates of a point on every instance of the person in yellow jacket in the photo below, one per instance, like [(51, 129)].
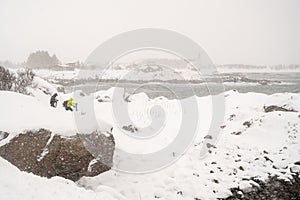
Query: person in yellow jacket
[(69, 104)]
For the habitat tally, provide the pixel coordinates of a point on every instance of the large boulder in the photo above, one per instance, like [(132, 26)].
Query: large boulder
[(46, 154)]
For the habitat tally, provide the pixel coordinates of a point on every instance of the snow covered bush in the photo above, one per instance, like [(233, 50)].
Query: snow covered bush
[(6, 79), (17, 82), (23, 79)]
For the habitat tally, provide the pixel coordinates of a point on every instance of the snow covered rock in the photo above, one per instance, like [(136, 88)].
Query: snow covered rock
[(16, 185), (104, 98), (46, 154), (277, 108), (295, 169), (3, 135)]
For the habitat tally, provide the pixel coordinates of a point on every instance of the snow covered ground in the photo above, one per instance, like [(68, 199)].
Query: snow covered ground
[(252, 143), (267, 145), (22, 112)]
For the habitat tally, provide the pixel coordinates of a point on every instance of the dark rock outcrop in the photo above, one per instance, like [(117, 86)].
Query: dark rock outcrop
[(45, 154), (273, 188), (236, 133), (247, 124), (130, 128), (273, 108)]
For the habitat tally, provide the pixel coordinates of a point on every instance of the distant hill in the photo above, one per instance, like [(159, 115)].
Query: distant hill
[(259, 68)]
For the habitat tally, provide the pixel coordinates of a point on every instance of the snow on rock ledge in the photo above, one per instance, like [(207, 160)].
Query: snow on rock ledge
[(16, 185), (46, 154)]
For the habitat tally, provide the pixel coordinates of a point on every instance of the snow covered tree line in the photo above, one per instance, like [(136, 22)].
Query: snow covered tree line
[(41, 59), (17, 81), (38, 60)]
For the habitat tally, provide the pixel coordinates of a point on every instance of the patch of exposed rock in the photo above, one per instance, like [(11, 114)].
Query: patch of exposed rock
[(130, 128), (274, 188), (45, 154), (273, 108)]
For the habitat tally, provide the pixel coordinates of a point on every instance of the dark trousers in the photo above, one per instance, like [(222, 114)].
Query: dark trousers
[(69, 108), (53, 104)]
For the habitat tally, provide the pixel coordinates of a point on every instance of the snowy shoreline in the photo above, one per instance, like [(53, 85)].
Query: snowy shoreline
[(252, 143)]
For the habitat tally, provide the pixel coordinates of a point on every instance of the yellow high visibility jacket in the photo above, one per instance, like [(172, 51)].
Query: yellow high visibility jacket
[(70, 102)]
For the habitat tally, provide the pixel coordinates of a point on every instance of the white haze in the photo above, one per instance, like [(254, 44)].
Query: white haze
[(231, 31)]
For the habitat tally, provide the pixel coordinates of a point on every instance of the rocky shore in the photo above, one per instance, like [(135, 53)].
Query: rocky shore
[(272, 189)]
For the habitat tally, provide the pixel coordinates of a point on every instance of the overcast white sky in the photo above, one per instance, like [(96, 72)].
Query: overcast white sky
[(231, 31)]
